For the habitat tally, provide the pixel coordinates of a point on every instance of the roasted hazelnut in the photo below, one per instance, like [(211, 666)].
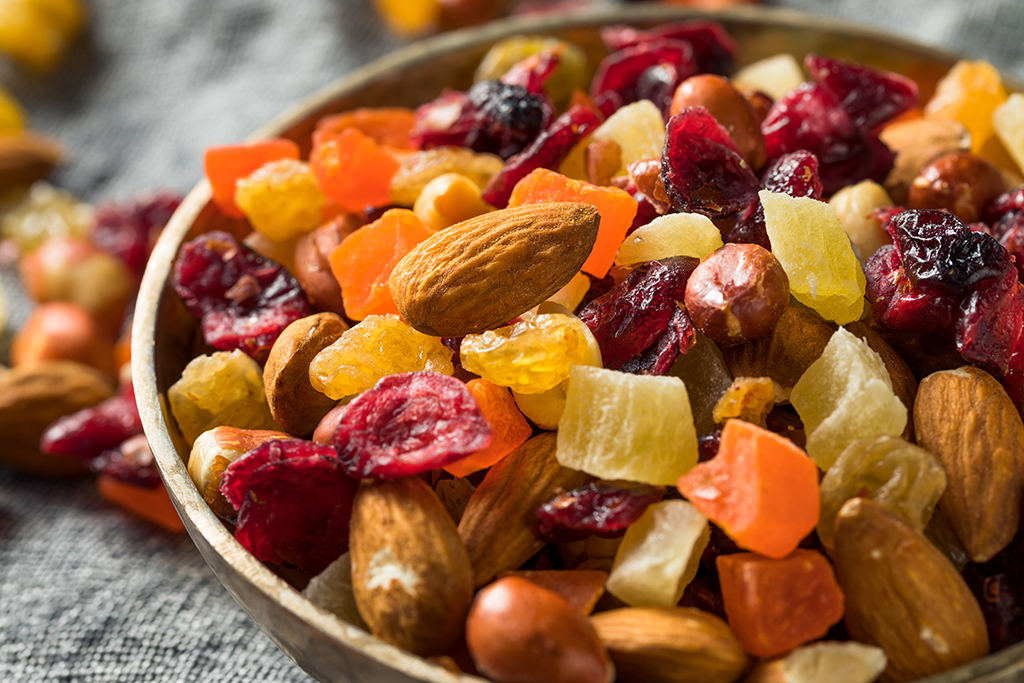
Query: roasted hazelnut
[(312, 269), (737, 293), (729, 107), (961, 183)]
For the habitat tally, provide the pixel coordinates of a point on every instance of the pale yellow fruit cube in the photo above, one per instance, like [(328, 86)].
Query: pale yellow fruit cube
[(659, 555), (814, 250), (622, 426), (571, 295), (775, 76), (846, 395), (677, 234), (637, 128), (1008, 121), (834, 662), (854, 205)]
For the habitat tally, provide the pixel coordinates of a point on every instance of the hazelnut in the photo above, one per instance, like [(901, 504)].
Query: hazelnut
[(328, 426), (312, 269), (63, 331), (961, 183), (519, 632), (737, 293), (729, 107)]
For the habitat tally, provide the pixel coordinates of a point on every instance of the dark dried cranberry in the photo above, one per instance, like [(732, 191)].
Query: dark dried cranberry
[(533, 72), (714, 50), (795, 174), (243, 300), (658, 84), (999, 587), (128, 229), (1009, 230), (593, 510), (898, 303), (410, 423), (89, 432), (678, 337), (702, 169), (1013, 380), (547, 151), (990, 323), (1011, 200), (871, 98), (705, 593), (490, 117), (621, 72), (294, 502), (132, 461), (707, 445), (629, 318)]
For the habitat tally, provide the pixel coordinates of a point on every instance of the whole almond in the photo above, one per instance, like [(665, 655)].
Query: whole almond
[(26, 158), (968, 422), (35, 394), (499, 525), (483, 272), (903, 595), (294, 403), (411, 576), (670, 645)]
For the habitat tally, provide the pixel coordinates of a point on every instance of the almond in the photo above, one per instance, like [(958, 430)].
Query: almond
[(670, 644), (499, 526), (483, 272), (411, 576), (917, 143), (903, 595), (968, 422), (26, 158), (35, 394), (294, 403)]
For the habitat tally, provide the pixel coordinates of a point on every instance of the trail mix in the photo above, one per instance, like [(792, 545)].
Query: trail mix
[(654, 375)]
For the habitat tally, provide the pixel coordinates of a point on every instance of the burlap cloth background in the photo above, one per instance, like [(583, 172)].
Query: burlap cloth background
[(88, 593)]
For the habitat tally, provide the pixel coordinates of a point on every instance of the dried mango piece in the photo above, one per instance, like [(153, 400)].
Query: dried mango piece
[(969, 93)]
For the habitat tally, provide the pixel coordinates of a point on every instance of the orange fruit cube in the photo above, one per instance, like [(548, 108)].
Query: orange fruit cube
[(509, 429), (353, 169), (386, 125), (225, 165)]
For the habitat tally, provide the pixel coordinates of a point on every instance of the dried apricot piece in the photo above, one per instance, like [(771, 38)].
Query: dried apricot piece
[(760, 488), (616, 207), (509, 429), (385, 125), (225, 165), (353, 169), (363, 262)]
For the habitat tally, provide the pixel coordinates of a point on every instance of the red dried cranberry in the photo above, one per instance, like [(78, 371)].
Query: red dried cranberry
[(999, 587), (990, 323), (132, 461), (702, 169), (714, 50), (658, 84), (1013, 380), (677, 338), (243, 301), (490, 117), (795, 174), (410, 423), (89, 432), (1009, 230), (708, 444), (871, 98), (900, 305), (547, 151), (630, 317), (594, 510), (294, 502), (128, 229), (621, 72), (533, 72), (1011, 200)]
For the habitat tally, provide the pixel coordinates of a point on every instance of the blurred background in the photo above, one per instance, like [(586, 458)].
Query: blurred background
[(128, 95)]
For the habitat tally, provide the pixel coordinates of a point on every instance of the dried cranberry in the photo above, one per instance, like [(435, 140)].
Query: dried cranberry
[(594, 510), (795, 174), (898, 303), (708, 444), (294, 502), (999, 587), (128, 229), (132, 461), (243, 301), (678, 337), (870, 98), (1009, 230), (714, 49), (89, 432), (630, 317), (990, 323), (621, 72), (1013, 380), (410, 423), (533, 72), (1011, 200), (705, 593), (490, 117), (547, 151), (658, 83)]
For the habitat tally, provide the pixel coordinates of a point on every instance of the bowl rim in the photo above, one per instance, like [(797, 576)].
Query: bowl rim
[(187, 499)]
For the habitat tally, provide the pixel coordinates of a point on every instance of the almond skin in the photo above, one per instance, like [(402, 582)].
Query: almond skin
[(670, 645), (968, 422), (903, 595), (411, 576), (481, 273), (499, 526)]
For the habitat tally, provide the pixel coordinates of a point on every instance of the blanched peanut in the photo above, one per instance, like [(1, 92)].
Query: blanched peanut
[(854, 205), (449, 199)]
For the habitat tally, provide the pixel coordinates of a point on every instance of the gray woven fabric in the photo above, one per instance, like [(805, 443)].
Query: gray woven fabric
[(88, 593)]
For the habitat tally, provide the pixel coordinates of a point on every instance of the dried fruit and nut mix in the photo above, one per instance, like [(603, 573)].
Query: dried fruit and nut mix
[(646, 377)]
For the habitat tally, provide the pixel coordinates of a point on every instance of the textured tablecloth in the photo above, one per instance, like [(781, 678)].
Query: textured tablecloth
[(88, 593)]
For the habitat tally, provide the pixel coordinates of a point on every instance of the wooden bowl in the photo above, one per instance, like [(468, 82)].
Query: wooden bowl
[(165, 335)]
